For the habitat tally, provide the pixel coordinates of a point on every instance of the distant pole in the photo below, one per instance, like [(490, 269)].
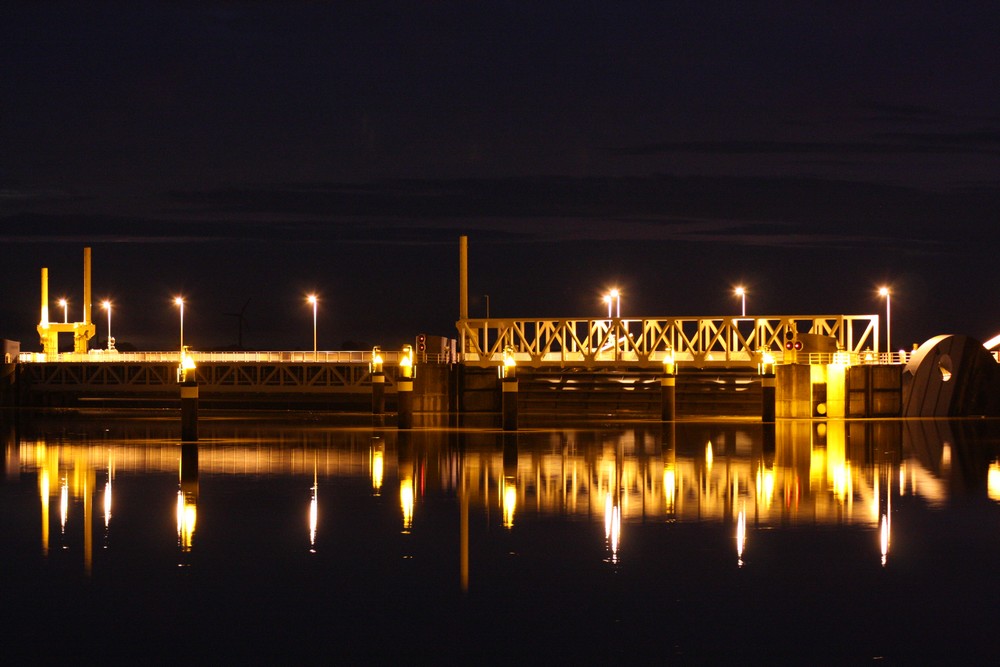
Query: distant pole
[(463, 277), (487, 297), (742, 293)]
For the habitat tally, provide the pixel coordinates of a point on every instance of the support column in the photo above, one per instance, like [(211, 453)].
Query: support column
[(378, 393), (508, 387), (668, 397), (767, 398), (404, 399), (189, 411)]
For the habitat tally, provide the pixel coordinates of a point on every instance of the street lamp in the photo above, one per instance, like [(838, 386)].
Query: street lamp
[(65, 306), (884, 292), (742, 293), (313, 300), (106, 305), (616, 295), (179, 302)]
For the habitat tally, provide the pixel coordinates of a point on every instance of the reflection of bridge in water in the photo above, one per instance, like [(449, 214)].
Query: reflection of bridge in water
[(826, 472)]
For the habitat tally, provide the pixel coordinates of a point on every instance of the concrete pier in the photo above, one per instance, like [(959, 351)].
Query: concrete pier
[(189, 411)]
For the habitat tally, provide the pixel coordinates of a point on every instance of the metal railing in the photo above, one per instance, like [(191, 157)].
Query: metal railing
[(361, 357)]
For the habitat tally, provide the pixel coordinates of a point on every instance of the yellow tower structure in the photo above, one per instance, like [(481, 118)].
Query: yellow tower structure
[(49, 331)]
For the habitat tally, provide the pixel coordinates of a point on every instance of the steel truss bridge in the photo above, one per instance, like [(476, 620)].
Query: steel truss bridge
[(645, 342)]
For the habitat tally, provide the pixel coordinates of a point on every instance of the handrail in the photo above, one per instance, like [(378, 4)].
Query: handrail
[(360, 357)]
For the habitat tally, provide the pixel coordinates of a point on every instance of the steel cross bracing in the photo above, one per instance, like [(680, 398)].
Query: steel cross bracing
[(637, 342)]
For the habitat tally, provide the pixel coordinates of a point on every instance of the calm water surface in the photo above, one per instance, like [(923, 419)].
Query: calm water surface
[(274, 542)]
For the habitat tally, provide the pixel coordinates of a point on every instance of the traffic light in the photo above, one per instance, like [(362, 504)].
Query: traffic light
[(421, 343), (792, 342)]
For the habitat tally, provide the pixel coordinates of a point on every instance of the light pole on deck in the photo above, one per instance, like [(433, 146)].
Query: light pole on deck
[(179, 302), (314, 301), (884, 292), (742, 293), (106, 305), (65, 306)]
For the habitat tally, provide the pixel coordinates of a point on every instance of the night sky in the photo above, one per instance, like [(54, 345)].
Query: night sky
[(244, 154)]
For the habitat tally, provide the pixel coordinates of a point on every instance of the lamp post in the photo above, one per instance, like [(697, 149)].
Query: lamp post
[(487, 298), (607, 299), (742, 293), (179, 302), (884, 292), (617, 296), (65, 307), (314, 301), (106, 305)]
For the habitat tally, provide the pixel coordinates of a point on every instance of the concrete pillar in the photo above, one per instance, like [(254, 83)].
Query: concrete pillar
[(509, 400), (189, 411), (404, 401), (668, 397), (767, 398), (378, 393)]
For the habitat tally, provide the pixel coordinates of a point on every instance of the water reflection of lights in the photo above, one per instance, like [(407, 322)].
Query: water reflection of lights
[(741, 536), (107, 502), (378, 467), (669, 489), (509, 501), (678, 482), (313, 514), (993, 481), (884, 536), (612, 526), (187, 519), (63, 504), (406, 503), (765, 486)]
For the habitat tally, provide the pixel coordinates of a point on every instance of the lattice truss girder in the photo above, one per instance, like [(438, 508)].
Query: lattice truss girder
[(237, 376), (647, 340)]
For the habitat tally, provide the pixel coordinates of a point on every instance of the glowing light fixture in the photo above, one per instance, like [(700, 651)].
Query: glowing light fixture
[(65, 306), (406, 362)]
